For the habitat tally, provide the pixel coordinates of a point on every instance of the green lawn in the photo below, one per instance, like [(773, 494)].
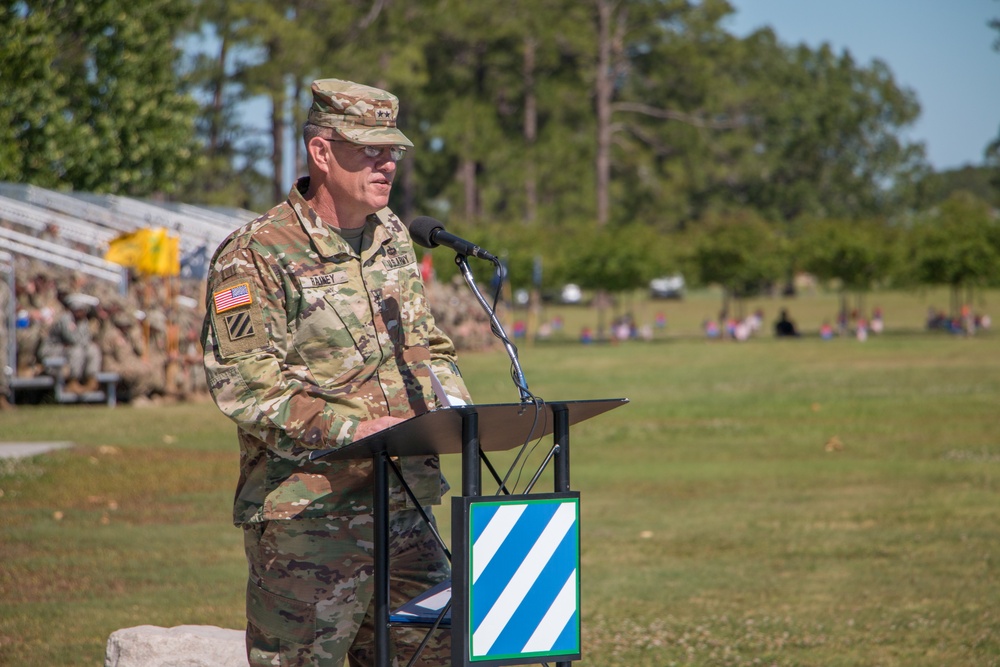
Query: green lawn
[(787, 502)]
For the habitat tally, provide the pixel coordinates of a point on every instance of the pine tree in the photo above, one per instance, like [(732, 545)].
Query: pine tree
[(93, 97)]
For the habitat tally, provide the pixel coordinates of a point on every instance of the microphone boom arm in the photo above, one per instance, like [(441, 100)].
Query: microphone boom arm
[(522, 384)]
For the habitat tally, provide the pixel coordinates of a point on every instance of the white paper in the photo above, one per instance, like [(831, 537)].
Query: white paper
[(444, 397)]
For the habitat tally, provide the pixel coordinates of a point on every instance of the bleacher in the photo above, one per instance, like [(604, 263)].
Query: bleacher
[(72, 231)]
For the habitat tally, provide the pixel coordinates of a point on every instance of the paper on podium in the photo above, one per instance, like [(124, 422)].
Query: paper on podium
[(443, 396), (502, 426)]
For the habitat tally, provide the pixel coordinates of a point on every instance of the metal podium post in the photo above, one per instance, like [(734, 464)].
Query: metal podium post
[(560, 435), (380, 463), (472, 473)]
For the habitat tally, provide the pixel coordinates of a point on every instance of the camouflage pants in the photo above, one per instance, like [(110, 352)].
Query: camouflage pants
[(84, 361), (310, 597)]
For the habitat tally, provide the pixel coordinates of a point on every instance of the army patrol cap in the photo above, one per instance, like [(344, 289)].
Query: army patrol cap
[(359, 113), (79, 301)]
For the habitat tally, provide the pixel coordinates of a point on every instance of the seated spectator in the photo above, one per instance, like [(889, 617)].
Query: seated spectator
[(711, 328), (741, 331), (122, 353), (784, 327), (936, 319), (28, 333), (877, 323), (37, 307), (621, 330), (71, 338), (731, 327), (826, 331)]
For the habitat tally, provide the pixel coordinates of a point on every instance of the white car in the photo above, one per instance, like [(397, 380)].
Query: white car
[(571, 294), (667, 287)]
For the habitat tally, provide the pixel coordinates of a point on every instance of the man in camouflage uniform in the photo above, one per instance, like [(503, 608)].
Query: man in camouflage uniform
[(122, 352), (72, 337), (8, 367), (318, 333), (38, 306)]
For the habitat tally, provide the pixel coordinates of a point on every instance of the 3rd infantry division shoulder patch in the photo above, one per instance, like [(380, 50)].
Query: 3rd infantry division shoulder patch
[(242, 330), (239, 325)]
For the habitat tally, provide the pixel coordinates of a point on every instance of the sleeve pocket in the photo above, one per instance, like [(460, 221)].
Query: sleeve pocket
[(284, 618)]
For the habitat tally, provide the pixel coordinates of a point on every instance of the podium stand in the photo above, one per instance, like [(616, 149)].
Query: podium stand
[(469, 430)]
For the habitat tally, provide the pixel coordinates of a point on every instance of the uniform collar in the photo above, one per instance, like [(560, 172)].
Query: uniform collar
[(328, 242)]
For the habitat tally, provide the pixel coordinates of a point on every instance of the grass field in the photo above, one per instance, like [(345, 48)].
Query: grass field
[(775, 502)]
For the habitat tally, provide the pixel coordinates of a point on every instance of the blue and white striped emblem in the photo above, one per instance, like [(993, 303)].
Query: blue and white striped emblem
[(524, 578)]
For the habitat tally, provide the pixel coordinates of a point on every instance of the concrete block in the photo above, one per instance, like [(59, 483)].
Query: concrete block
[(180, 646)]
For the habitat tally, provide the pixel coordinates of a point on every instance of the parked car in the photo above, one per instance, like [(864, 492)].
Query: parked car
[(667, 287), (571, 294)]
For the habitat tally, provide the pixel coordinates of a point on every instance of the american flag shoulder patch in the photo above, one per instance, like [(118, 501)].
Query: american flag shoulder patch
[(232, 297)]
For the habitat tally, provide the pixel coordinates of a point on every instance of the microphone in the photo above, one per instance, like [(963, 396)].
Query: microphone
[(430, 233)]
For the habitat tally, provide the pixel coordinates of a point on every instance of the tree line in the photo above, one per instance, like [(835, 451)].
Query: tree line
[(618, 139)]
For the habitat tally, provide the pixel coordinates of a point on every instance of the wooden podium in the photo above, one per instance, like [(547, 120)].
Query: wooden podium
[(469, 430)]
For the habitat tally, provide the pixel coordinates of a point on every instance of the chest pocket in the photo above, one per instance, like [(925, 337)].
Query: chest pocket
[(391, 298), (330, 338), (414, 309)]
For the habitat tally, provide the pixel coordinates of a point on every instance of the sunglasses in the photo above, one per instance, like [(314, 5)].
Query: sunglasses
[(396, 153)]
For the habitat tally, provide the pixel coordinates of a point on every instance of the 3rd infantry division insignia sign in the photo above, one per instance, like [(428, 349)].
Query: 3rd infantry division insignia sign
[(524, 578)]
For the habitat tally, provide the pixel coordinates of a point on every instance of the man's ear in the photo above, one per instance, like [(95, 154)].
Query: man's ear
[(320, 153)]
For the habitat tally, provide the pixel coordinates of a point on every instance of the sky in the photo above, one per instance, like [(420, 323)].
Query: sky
[(940, 49)]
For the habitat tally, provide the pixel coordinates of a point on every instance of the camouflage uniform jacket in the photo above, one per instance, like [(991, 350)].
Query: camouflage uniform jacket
[(303, 340)]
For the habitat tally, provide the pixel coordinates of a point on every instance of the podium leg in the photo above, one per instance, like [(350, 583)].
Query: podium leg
[(472, 478), (560, 434), (380, 463)]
